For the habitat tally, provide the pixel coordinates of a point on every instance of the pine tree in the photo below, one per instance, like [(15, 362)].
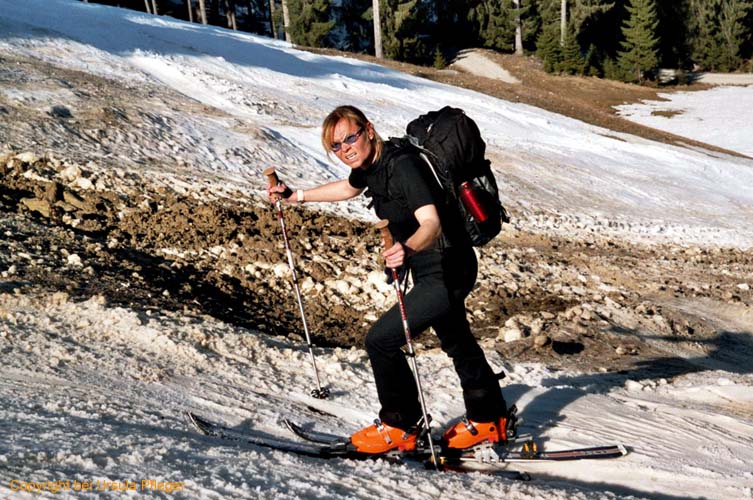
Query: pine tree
[(674, 46), (453, 23), (733, 32), (548, 47), (704, 26), (310, 21), (640, 45), (585, 11), (403, 30), (354, 18), (440, 62), (571, 61), (496, 24)]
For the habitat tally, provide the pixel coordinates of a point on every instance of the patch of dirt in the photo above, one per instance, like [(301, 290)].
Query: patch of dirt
[(598, 304), (667, 114)]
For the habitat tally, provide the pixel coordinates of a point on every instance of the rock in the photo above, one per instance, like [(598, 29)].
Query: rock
[(341, 286), (307, 284), (73, 199), (84, 183), (59, 111), (59, 298), (42, 207), (744, 287), (511, 331), (74, 260), (54, 192), (377, 279), (633, 386), (70, 173), (574, 312), (511, 334), (623, 350), (280, 270), (541, 340), (27, 157), (536, 326)]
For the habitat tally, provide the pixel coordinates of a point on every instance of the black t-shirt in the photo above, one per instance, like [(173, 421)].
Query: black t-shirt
[(399, 183)]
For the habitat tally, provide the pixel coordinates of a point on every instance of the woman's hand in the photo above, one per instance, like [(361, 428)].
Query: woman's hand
[(278, 192), (395, 255)]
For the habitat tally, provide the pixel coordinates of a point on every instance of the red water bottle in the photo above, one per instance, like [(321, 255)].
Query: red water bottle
[(472, 203)]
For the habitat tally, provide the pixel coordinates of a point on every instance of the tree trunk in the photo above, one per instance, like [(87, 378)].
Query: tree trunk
[(189, 4), (272, 18), (154, 7), (518, 29), (203, 11), (377, 30), (146, 6), (230, 14), (286, 21), (563, 22)]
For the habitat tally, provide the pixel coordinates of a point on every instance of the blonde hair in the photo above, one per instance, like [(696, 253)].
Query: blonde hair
[(356, 116)]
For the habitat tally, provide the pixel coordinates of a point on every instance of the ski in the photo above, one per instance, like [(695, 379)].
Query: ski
[(487, 454), (312, 436), (336, 449), (531, 454), (215, 430)]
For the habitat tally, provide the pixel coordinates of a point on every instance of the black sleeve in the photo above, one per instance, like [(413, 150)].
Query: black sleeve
[(357, 178), (413, 179)]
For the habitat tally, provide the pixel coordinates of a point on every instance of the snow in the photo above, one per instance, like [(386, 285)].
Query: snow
[(718, 116), (93, 393)]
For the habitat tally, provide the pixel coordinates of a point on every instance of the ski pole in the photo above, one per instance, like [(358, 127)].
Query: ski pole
[(319, 392), (388, 242)]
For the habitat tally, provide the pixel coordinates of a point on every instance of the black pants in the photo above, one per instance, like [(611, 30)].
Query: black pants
[(442, 280)]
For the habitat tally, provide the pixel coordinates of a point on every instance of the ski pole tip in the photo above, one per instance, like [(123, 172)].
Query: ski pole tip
[(322, 393)]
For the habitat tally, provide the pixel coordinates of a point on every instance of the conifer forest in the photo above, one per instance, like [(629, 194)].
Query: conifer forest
[(626, 40)]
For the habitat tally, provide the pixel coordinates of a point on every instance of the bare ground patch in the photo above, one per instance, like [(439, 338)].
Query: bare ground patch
[(603, 304)]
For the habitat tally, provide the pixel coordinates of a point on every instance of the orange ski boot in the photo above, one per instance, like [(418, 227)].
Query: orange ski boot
[(467, 433), (381, 438)]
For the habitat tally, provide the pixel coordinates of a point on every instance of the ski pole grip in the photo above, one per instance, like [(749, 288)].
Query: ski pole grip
[(272, 176), (385, 231), (274, 180)]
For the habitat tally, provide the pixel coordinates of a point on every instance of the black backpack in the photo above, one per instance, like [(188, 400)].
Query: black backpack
[(452, 146)]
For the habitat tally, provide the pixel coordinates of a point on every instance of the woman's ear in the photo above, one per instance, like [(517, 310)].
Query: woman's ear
[(370, 131)]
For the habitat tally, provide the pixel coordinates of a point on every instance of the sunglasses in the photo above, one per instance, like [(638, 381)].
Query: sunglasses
[(351, 139)]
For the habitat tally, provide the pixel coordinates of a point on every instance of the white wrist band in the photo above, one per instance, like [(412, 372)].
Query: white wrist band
[(299, 194)]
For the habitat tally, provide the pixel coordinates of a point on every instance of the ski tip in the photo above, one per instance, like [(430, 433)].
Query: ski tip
[(623, 450), (197, 422), (290, 424)]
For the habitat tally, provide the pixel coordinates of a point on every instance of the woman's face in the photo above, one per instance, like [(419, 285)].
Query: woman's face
[(353, 141)]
